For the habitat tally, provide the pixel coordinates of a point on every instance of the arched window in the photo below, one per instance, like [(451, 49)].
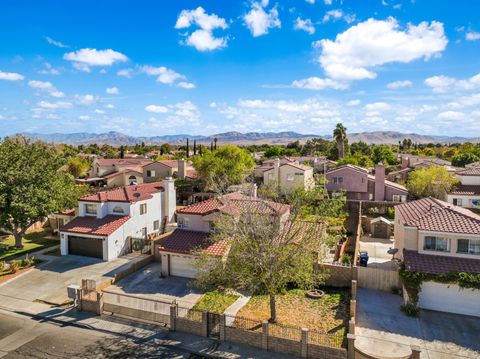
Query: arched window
[(132, 179), (118, 210)]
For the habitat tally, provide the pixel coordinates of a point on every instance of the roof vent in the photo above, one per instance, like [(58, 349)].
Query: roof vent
[(136, 194)]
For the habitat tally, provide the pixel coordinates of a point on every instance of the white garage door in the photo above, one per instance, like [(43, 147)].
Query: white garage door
[(182, 266), (450, 298)]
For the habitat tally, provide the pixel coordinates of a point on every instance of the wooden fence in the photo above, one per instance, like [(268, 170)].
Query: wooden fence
[(378, 278)]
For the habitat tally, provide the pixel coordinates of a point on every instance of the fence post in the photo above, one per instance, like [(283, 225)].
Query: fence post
[(415, 352), (351, 346), (264, 335), (353, 308), (99, 303), (351, 326), (173, 317), (304, 348), (354, 289), (204, 324), (222, 326)]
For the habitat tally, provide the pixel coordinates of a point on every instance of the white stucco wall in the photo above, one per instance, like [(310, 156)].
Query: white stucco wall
[(466, 200), (469, 180)]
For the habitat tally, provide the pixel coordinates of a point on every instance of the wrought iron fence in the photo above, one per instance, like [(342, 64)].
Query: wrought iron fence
[(326, 339), (243, 323), (285, 331), (189, 313)]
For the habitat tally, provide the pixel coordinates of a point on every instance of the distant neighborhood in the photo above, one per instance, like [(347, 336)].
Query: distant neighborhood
[(288, 248)]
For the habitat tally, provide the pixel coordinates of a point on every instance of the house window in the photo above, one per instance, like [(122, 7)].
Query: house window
[(118, 209), (363, 179), (469, 246), (182, 222), (156, 225), (436, 244), (91, 209), (150, 173), (337, 180), (290, 177), (143, 208), (457, 202)]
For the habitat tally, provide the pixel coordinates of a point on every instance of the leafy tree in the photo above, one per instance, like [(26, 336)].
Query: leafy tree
[(226, 166), (383, 154), (434, 181), (340, 136), (78, 167), (463, 159), (274, 151), (165, 149), (361, 148), (317, 146), (33, 184)]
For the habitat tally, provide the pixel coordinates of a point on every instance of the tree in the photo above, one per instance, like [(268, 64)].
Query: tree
[(226, 166), (463, 159), (267, 253), (215, 140), (194, 147), (33, 184), (274, 151), (122, 152), (78, 167), (383, 154), (340, 136), (165, 148), (434, 181), (188, 149)]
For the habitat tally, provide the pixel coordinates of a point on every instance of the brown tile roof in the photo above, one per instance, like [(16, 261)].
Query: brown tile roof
[(95, 226), (349, 166), (67, 212), (127, 170), (169, 163), (131, 193), (470, 190), (297, 166), (106, 162), (187, 242), (389, 183), (234, 203), (431, 214), (473, 171), (438, 264)]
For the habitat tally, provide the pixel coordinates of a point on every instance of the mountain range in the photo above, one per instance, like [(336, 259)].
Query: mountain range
[(238, 138)]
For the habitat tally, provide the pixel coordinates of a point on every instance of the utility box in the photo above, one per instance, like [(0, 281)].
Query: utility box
[(72, 290)]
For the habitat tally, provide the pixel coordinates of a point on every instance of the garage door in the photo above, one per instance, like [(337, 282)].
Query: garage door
[(182, 266), (450, 298), (84, 246)]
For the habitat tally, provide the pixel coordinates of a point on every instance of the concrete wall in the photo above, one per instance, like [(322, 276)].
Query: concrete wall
[(469, 180)]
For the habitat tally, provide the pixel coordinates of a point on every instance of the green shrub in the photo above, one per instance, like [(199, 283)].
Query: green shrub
[(2, 266), (390, 213), (27, 261), (346, 259), (410, 309), (372, 211), (14, 266)]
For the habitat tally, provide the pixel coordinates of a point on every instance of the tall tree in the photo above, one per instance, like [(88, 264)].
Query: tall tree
[(194, 147), (122, 152), (215, 143), (434, 181), (340, 136), (188, 149), (78, 167), (33, 184)]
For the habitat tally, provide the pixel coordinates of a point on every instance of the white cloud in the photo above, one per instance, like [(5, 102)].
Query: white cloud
[(109, 106), (337, 14), (165, 75), (328, 2), (451, 115), (156, 109), (317, 83), (352, 103), (444, 84), (46, 87), (10, 76), (99, 112), (202, 39), (125, 73), (185, 85), (305, 25), (377, 106), (54, 105), (465, 101), (84, 117), (48, 70), (55, 43), (86, 100), (395, 85), (355, 52), (258, 21), (112, 90), (472, 35), (83, 59), (310, 1)]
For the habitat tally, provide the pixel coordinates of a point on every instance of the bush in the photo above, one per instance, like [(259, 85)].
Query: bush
[(14, 266), (410, 309), (390, 213), (372, 211), (27, 262), (346, 259), (2, 266)]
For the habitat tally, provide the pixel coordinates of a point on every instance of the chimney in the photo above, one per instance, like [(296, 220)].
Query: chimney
[(182, 169), (169, 199), (379, 182), (276, 169), (254, 190), (405, 162)]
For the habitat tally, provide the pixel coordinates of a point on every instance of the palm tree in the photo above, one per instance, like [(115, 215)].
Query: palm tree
[(340, 136)]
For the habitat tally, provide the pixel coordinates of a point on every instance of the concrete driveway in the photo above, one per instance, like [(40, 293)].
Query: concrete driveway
[(384, 330), (148, 283), (377, 252), (48, 282)]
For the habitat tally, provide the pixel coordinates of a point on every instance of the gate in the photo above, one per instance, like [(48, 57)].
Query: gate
[(213, 325)]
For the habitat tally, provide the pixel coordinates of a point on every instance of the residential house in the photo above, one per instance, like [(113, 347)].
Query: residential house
[(108, 221), (115, 172), (59, 219), (195, 223), (158, 170), (359, 184), (438, 238), (467, 192), (289, 174)]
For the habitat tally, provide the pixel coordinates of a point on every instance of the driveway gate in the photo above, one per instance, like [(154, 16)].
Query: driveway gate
[(213, 325)]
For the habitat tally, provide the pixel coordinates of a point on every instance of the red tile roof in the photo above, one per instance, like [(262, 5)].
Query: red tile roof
[(169, 163), (298, 166), (470, 190), (187, 242), (131, 193), (473, 171), (107, 162), (67, 212), (431, 214), (95, 226), (127, 170), (234, 203), (438, 264)]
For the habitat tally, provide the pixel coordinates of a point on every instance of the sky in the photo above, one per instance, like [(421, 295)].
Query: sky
[(151, 68)]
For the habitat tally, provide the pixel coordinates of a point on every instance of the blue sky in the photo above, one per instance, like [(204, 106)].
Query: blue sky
[(203, 67)]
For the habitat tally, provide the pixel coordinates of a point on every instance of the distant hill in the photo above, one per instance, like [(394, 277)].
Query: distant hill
[(238, 138)]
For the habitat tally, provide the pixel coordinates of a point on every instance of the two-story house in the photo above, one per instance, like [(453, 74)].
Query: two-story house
[(195, 222), (359, 184), (107, 221), (116, 172), (158, 170), (467, 192), (438, 238), (287, 173)]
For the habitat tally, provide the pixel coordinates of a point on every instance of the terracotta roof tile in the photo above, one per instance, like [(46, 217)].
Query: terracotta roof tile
[(470, 190), (127, 170), (104, 162), (438, 264), (431, 214), (187, 242), (473, 171), (131, 193), (95, 226)]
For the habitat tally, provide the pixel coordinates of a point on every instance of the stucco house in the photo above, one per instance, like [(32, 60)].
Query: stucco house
[(158, 170), (195, 222), (467, 192), (116, 172), (108, 221), (289, 174), (439, 238), (359, 184)]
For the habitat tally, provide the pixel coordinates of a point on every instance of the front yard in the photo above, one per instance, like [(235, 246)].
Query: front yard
[(215, 302), (33, 241)]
